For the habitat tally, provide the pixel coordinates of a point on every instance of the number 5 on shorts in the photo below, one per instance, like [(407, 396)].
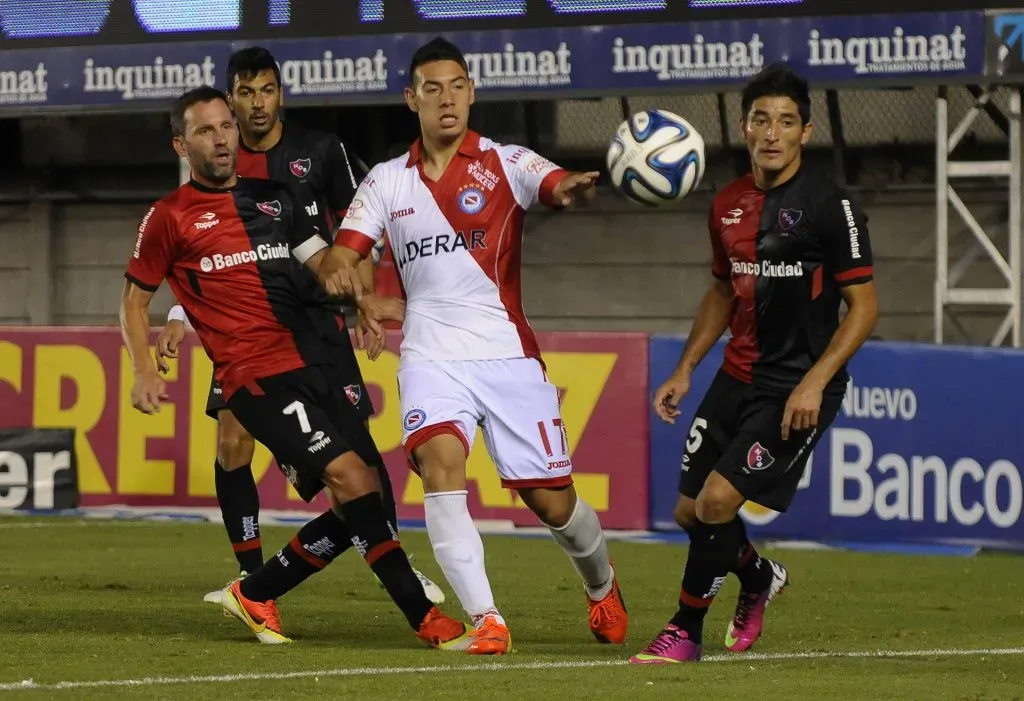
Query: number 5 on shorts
[(299, 410), (696, 436)]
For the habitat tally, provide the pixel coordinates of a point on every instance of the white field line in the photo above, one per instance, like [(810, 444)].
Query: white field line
[(29, 685)]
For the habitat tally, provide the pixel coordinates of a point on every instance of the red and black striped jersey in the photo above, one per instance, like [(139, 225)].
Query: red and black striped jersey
[(315, 166), (228, 256), (787, 252)]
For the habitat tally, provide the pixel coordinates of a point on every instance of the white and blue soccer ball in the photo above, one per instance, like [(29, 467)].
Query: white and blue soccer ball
[(656, 157)]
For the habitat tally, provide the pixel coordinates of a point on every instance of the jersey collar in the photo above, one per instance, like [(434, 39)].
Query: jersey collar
[(212, 190), (470, 147)]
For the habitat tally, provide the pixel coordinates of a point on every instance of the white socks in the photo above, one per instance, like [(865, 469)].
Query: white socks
[(459, 550), (583, 541)]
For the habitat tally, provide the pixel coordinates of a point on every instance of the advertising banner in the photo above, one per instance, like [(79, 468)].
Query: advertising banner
[(1004, 46), (57, 23), (37, 469), (81, 378), (926, 448), (549, 61)]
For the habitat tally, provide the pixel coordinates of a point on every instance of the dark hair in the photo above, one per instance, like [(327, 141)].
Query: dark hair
[(192, 97), (779, 80), (249, 62), (439, 49)]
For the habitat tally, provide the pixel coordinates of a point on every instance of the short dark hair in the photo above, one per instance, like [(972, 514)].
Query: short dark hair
[(249, 62), (192, 97), (438, 49), (779, 80)]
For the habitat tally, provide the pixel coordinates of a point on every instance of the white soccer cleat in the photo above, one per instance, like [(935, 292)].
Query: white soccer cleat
[(217, 596), (430, 589)]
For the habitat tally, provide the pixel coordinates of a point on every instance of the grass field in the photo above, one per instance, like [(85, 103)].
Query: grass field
[(103, 610)]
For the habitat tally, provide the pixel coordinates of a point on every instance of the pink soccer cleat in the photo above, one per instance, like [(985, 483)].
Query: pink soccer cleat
[(671, 646), (748, 621)]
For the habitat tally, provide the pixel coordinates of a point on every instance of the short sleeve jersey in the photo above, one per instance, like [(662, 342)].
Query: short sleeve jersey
[(228, 256), (457, 245), (315, 166), (787, 253)]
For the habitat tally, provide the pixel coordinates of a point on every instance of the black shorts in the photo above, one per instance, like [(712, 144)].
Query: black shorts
[(306, 421), (737, 433), (332, 330)]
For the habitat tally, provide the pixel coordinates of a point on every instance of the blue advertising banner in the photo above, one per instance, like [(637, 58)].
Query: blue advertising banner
[(551, 61), (926, 449)]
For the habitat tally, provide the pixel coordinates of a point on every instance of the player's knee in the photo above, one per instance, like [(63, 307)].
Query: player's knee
[(713, 508), (553, 506), (235, 447), (441, 462), (685, 512), (348, 477)]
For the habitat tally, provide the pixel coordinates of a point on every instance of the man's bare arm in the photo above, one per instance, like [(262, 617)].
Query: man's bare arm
[(712, 320), (855, 328), (148, 390), (134, 317), (366, 269)]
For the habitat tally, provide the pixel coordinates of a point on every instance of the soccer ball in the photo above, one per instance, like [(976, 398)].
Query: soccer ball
[(656, 157)]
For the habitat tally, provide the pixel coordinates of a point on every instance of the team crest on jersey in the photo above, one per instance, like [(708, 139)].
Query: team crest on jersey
[(758, 457), (354, 394), (471, 200), (788, 218), (301, 167), (271, 208), (414, 418)]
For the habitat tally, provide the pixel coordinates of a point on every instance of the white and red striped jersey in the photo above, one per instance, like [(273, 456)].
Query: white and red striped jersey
[(457, 244)]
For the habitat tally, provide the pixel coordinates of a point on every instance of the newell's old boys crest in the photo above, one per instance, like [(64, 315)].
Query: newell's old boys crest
[(300, 168), (788, 218), (271, 208), (758, 457), (354, 394)]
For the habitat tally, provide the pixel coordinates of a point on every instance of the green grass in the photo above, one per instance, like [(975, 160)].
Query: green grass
[(83, 601)]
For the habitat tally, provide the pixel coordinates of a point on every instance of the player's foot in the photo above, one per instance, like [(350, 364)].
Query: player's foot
[(217, 595), (444, 632), (430, 589), (748, 621), (490, 637), (608, 618), (671, 646), (263, 619)]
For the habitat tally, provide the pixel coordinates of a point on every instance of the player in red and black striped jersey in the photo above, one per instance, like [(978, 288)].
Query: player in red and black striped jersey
[(226, 246), (316, 168), (789, 246)]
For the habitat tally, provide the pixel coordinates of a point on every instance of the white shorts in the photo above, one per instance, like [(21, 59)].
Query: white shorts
[(510, 399)]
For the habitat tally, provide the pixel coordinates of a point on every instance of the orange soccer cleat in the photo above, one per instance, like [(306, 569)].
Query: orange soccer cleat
[(491, 637), (443, 632), (262, 618), (608, 618)]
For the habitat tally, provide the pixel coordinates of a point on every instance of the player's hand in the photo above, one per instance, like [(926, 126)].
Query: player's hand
[(340, 279), (148, 392), (167, 344), (576, 187), (370, 335), (372, 310), (668, 396), (802, 409)]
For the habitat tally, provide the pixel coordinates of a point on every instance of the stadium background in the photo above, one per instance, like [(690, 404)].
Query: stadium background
[(926, 449)]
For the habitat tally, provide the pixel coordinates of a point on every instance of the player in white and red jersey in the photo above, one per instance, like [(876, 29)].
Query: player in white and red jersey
[(453, 210)]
